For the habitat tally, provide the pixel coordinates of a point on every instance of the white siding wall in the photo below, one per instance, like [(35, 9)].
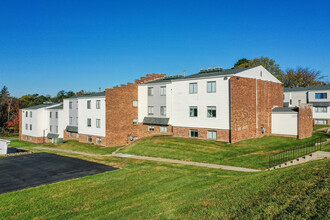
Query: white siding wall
[(285, 123), (255, 74), (142, 102), (38, 121), (295, 97), (93, 113), (312, 96), (321, 115), (182, 100)]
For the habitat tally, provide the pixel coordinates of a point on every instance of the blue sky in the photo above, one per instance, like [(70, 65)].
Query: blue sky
[(47, 46)]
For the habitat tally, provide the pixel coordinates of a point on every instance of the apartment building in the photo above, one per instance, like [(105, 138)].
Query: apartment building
[(40, 124), (317, 96), (216, 104)]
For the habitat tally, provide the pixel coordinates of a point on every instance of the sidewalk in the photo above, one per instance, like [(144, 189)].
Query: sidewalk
[(208, 165)]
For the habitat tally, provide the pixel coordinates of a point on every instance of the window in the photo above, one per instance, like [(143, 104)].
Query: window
[(89, 104), (212, 135), (50, 114), (163, 110), (193, 111), (193, 133), (211, 112), (98, 123), (193, 88), (30, 127), (163, 129), (135, 103), (321, 122), (56, 129), (30, 138), (150, 91), (163, 90), (26, 127), (71, 135), (89, 122), (77, 120), (98, 104), (77, 135), (150, 110), (151, 128), (70, 105), (89, 139), (26, 114), (27, 138), (320, 95), (135, 121), (290, 101), (211, 87), (30, 114), (50, 128), (98, 140), (56, 114), (71, 121), (321, 109)]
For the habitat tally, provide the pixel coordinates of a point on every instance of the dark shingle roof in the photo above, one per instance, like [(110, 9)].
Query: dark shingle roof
[(203, 74), (40, 106), (308, 88), (320, 104), (285, 109), (155, 121), (50, 135), (72, 129)]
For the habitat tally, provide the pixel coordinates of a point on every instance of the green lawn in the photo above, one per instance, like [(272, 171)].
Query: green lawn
[(152, 190), (68, 145), (252, 153), (319, 126)]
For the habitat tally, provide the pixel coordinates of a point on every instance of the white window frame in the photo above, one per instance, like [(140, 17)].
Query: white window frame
[(210, 110), (98, 140), (70, 105), (321, 122), (193, 88), (212, 135), (30, 114), (98, 104), (89, 104), (151, 128), (135, 103), (89, 122), (321, 109), (193, 108), (135, 121), (163, 129), (150, 91), (50, 128), (163, 110), (26, 114), (89, 139), (151, 110), (211, 87), (98, 123), (163, 90), (193, 131), (70, 120)]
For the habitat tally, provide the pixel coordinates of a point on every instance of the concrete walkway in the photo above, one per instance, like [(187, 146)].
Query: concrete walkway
[(208, 165)]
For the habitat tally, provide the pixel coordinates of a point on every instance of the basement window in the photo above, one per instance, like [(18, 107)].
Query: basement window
[(193, 133), (98, 140), (212, 135), (135, 121), (89, 139), (163, 129), (151, 128)]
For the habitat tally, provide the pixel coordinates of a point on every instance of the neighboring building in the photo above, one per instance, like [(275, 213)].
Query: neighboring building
[(317, 96), (225, 105), (40, 124)]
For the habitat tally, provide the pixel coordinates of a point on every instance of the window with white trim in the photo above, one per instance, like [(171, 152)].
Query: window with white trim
[(89, 122), (163, 129), (211, 87), (30, 114), (89, 139), (50, 128), (150, 91), (98, 104), (70, 105), (193, 111), (163, 110), (135, 103), (321, 109), (321, 122), (30, 127), (321, 95), (193, 88), (26, 114), (151, 128), (98, 123), (89, 104), (50, 114), (135, 121), (193, 133), (150, 110), (70, 120), (71, 134), (212, 135), (211, 112), (163, 90), (98, 140)]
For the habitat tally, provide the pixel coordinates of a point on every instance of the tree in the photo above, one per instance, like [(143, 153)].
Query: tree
[(4, 90), (302, 77), (268, 64), (241, 62)]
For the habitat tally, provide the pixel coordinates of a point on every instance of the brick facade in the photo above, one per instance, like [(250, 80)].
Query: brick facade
[(251, 103), (120, 111), (305, 121), (66, 136), (36, 140), (222, 135), (84, 139)]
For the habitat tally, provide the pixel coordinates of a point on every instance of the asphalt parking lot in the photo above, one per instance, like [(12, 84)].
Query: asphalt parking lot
[(30, 170)]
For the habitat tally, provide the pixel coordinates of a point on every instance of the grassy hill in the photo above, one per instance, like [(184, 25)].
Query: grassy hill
[(153, 190)]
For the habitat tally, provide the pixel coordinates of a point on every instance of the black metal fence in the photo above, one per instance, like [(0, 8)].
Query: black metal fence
[(294, 153)]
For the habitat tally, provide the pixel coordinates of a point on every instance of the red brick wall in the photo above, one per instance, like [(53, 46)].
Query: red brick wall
[(251, 103), (222, 135), (66, 136), (84, 139), (120, 111), (36, 140), (305, 121)]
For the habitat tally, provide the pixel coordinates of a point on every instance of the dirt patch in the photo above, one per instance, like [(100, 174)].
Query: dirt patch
[(254, 153)]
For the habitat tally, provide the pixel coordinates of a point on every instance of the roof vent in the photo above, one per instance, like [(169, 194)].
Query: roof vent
[(202, 70), (48, 103)]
